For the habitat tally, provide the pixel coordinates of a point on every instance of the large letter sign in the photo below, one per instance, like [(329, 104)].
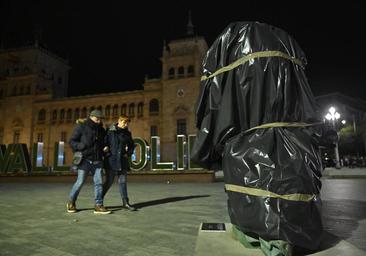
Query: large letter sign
[(142, 148), (155, 156), (16, 156)]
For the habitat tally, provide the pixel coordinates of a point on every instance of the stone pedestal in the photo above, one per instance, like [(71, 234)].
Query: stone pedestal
[(218, 243)]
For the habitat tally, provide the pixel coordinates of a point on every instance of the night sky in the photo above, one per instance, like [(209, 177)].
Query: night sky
[(112, 46)]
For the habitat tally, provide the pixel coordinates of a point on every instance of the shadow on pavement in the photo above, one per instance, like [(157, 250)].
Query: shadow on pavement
[(157, 202), (340, 219), (148, 203), (328, 240), (85, 209)]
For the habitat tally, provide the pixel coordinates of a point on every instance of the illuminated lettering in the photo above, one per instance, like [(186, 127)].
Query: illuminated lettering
[(142, 151), (16, 156), (156, 165), (37, 159)]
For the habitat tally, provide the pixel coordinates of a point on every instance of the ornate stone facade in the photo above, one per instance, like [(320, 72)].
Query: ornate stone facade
[(33, 84)]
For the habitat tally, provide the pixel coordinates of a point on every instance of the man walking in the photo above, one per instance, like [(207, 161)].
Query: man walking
[(88, 138)]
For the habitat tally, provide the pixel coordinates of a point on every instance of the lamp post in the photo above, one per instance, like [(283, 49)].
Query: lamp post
[(334, 115)]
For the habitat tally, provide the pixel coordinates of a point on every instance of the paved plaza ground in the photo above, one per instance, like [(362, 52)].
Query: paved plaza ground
[(34, 221)]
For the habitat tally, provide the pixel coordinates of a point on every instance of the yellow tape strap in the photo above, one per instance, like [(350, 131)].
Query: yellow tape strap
[(250, 56), (265, 193), (280, 124)]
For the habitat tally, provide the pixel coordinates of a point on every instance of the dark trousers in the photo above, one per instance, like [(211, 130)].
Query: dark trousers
[(122, 182)]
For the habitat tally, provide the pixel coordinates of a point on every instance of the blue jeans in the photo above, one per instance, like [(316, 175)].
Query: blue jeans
[(122, 182), (96, 170)]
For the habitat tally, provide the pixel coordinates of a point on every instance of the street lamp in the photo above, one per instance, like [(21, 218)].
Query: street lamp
[(334, 115)]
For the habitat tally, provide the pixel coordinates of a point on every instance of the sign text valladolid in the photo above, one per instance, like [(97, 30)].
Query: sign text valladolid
[(16, 156)]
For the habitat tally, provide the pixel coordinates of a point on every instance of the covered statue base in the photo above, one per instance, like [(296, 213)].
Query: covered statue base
[(214, 243)]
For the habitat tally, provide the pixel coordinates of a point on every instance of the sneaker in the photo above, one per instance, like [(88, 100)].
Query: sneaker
[(126, 205), (71, 207), (100, 209)]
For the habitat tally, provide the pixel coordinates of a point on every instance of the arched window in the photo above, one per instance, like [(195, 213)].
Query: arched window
[(140, 109), (54, 115), (62, 115), (77, 113), (1, 136), (124, 109), (171, 74), (131, 110), (83, 112), (181, 127), (107, 111), (40, 137), (100, 108), (16, 137), (69, 115), (181, 72), (154, 107), (91, 109), (42, 115), (115, 110), (190, 71)]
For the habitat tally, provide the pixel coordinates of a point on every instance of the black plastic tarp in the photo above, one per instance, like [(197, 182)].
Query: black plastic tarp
[(254, 75)]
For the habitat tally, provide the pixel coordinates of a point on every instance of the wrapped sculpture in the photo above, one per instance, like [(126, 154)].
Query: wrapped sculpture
[(257, 120)]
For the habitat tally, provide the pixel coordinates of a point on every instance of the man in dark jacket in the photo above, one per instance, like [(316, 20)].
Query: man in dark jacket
[(121, 147), (88, 138)]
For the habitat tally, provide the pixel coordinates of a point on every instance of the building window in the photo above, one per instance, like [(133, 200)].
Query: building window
[(21, 90), (115, 110), (171, 73), (100, 108), (16, 137), (154, 130), (14, 92), (181, 127), (123, 109), (40, 137), (62, 115), (140, 109), (154, 107), (42, 115), (107, 111), (69, 115), (181, 72), (59, 80), (54, 115), (28, 90), (131, 110), (63, 136), (77, 114), (1, 135), (190, 71), (83, 113), (91, 109)]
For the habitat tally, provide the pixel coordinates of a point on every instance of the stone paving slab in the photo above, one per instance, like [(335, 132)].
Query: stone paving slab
[(34, 221)]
